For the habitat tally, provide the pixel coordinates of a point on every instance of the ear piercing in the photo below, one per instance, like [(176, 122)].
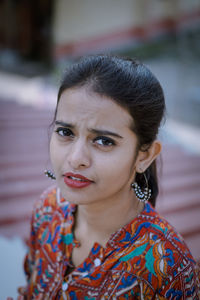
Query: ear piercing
[(50, 174)]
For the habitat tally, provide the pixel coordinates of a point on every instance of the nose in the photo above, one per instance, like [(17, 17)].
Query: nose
[(79, 155)]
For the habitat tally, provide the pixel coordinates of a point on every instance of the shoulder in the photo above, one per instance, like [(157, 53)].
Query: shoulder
[(162, 232), (164, 241), (158, 254), (48, 206)]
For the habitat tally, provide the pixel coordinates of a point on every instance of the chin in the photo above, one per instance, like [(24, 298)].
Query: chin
[(75, 196)]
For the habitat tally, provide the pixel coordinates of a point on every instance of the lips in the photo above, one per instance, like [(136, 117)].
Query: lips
[(76, 180)]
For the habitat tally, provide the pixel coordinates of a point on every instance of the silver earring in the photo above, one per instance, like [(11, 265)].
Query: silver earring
[(50, 174), (143, 196)]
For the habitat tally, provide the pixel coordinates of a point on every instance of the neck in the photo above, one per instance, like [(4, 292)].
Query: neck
[(100, 220)]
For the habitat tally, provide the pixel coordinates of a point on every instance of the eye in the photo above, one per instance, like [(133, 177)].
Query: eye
[(104, 141), (65, 132)]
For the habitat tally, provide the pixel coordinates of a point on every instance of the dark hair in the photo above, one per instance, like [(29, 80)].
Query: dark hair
[(131, 85)]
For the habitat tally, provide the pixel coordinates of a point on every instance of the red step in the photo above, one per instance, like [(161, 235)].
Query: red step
[(24, 155)]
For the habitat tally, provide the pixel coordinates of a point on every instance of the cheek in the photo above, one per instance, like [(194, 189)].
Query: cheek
[(54, 153), (119, 167), (123, 168)]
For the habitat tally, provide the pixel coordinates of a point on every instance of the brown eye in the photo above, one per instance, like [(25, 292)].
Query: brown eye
[(104, 141), (64, 132)]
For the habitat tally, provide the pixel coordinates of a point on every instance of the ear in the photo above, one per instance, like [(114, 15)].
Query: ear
[(145, 158)]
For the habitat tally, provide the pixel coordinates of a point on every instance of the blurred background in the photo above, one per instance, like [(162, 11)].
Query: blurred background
[(38, 40)]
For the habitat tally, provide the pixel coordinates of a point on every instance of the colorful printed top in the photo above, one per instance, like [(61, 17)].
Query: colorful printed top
[(146, 259)]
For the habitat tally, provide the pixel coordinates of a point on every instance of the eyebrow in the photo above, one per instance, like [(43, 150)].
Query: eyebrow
[(64, 124), (95, 131), (105, 132)]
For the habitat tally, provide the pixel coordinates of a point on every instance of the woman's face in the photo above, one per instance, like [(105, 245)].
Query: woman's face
[(92, 148)]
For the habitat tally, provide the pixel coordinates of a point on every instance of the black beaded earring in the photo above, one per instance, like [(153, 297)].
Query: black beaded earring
[(50, 174), (142, 195)]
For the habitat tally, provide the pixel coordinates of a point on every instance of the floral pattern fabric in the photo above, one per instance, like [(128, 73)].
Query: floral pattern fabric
[(146, 259)]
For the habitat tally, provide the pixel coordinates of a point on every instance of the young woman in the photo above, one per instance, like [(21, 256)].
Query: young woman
[(97, 234)]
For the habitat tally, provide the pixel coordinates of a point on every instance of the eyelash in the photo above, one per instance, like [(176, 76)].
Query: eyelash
[(106, 141), (110, 141), (66, 130)]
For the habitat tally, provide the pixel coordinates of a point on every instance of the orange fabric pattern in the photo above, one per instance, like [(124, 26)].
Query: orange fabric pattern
[(146, 259)]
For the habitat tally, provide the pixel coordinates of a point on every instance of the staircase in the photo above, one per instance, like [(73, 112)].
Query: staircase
[(24, 156)]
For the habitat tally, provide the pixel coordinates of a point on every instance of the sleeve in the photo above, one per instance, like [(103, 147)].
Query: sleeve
[(182, 284), (179, 285), (32, 243), (39, 220)]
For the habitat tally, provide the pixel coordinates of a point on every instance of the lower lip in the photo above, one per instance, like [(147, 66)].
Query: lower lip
[(76, 183)]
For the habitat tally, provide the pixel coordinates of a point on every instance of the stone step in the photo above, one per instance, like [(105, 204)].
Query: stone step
[(21, 188), (24, 155)]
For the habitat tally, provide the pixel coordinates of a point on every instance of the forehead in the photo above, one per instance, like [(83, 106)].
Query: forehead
[(81, 105)]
